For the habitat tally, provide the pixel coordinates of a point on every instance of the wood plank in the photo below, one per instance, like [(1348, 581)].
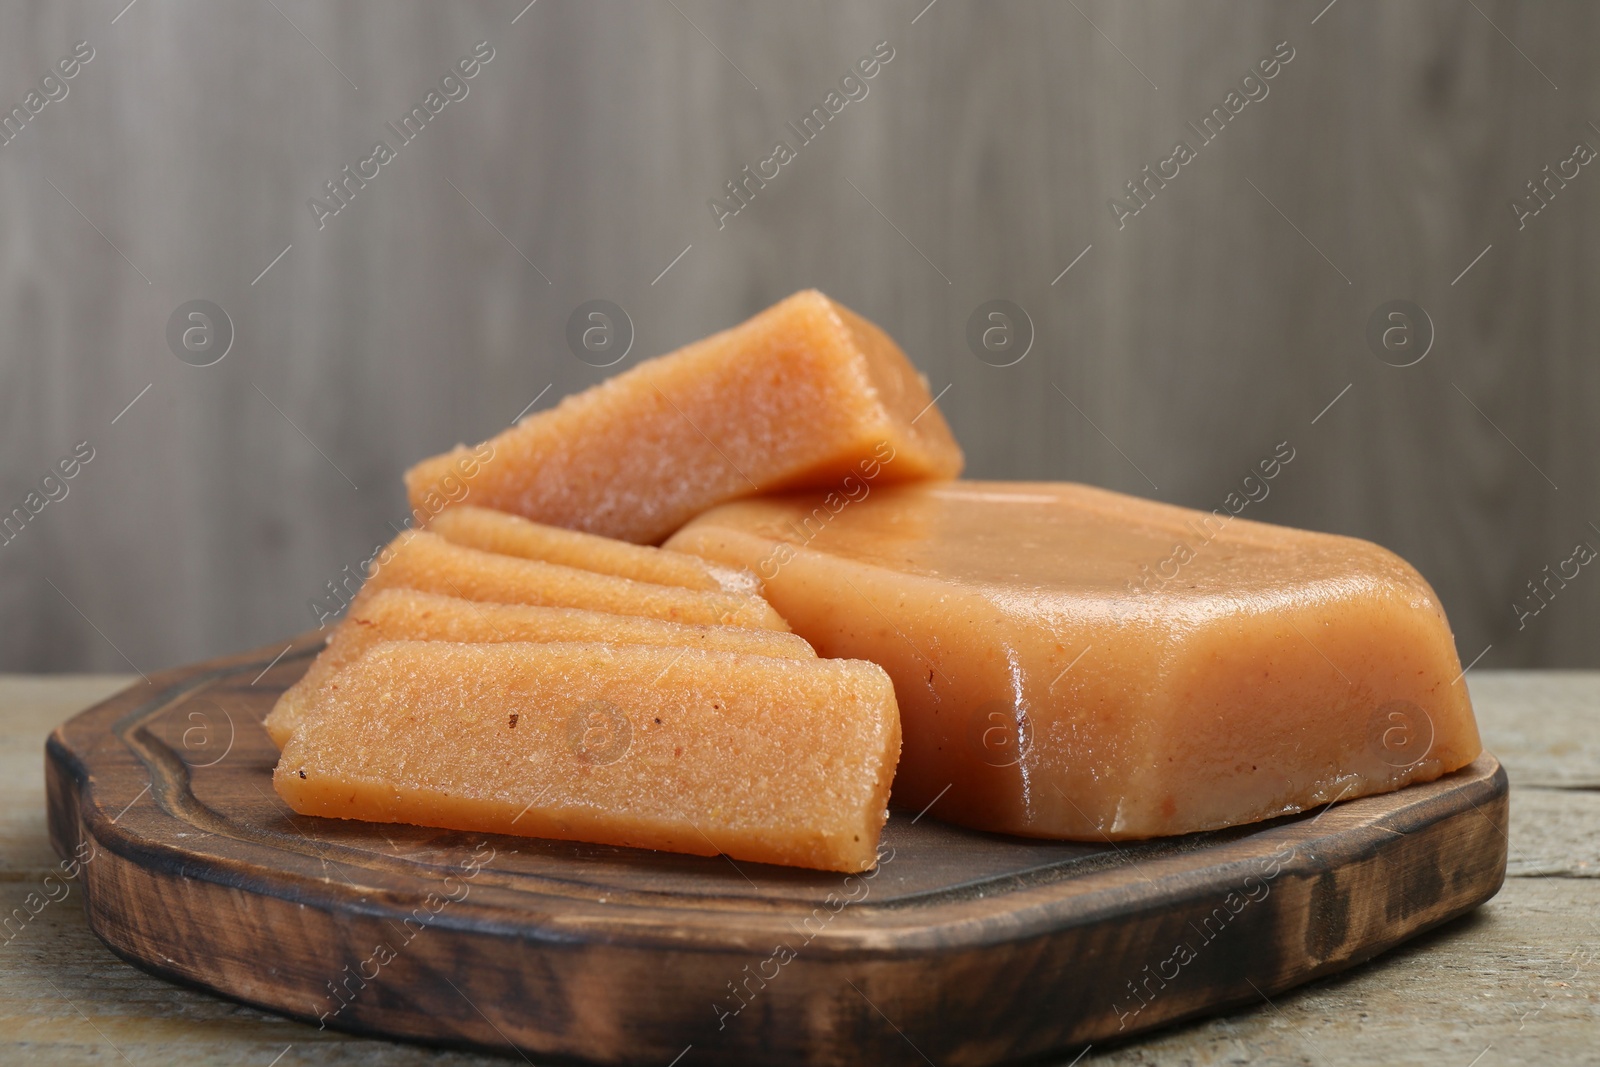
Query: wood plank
[(30, 707), (1553, 833), (1541, 724), (190, 866), (1519, 973), (993, 141)]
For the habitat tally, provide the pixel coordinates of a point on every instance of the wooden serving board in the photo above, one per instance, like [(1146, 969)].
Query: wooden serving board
[(961, 948)]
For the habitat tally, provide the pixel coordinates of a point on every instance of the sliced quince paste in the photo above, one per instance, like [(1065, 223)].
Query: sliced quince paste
[(421, 560), (512, 535), (803, 394), (409, 615), (766, 759)]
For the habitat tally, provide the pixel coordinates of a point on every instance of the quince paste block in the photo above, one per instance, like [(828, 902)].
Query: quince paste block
[(1075, 663), (803, 394), (773, 760), (409, 615), (512, 535), (425, 561)]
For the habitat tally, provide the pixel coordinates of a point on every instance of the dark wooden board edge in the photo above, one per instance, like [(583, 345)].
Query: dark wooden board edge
[(969, 995)]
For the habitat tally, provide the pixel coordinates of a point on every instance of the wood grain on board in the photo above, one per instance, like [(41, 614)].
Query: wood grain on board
[(1170, 359), (1519, 974), (990, 949)]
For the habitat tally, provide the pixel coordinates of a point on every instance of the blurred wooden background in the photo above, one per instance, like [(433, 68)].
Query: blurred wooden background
[(1175, 353)]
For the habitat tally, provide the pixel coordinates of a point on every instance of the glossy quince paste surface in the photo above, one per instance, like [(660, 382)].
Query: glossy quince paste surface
[(1072, 662)]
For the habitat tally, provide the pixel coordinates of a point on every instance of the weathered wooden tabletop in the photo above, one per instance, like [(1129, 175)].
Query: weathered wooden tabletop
[(1516, 982)]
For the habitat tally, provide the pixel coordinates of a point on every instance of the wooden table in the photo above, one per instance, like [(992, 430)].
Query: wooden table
[(1516, 982)]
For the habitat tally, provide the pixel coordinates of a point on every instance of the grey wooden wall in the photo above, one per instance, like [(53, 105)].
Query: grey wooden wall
[(1178, 350)]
